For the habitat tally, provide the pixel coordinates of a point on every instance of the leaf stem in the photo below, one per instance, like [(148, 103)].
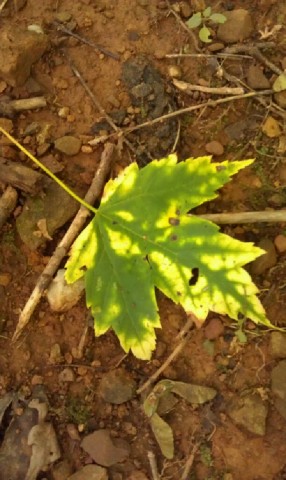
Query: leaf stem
[(48, 172)]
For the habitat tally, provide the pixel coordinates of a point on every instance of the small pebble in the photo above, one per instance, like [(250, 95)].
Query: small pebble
[(70, 118), (280, 243), (280, 98), (256, 78), (186, 10), (214, 329), (86, 149), (82, 371), (137, 475), (175, 71), (214, 148), (61, 83), (5, 279), (68, 145), (63, 17), (37, 380), (55, 354), (63, 112), (265, 261), (271, 127), (67, 375), (277, 345), (117, 387)]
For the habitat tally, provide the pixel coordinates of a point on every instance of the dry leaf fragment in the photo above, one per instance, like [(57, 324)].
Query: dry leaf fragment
[(269, 32), (43, 229), (164, 435), (45, 448), (271, 128), (280, 83)]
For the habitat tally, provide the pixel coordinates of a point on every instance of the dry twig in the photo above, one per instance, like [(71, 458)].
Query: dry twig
[(28, 103), (254, 50), (63, 247), (183, 340), (189, 462), (98, 47), (8, 202), (98, 105), (192, 108), (153, 466), (269, 105), (189, 89), (3, 5), (206, 55), (8, 108), (270, 216)]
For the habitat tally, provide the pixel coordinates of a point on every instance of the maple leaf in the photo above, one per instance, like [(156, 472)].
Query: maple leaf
[(142, 237)]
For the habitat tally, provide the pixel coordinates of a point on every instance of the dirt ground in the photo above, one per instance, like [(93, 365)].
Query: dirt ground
[(139, 34)]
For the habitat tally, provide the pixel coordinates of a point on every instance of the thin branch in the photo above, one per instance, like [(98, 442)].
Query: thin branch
[(189, 462), (182, 111), (153, 466), (9, 108), (255, 52), (183, 340), (237, 81), (189, 89), (98, 47), (63, 247), (98, 105), (246, 217), (3, 5), (28, 104), (206, 55)]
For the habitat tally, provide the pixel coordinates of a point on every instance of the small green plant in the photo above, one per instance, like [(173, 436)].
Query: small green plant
[(201, 19), (76, 411)]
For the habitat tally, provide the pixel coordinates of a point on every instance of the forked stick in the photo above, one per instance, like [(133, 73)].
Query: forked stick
[(64, 245)]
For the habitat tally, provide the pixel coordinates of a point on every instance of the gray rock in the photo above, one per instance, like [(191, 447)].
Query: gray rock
[(267, 260), (56, 207), (117, 387), (19, 49), (256, 78), (249, 412), (141, 90), (237, 27), (68, 145), (278, 387), (103, 449), (90, 472), (278, 344)]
